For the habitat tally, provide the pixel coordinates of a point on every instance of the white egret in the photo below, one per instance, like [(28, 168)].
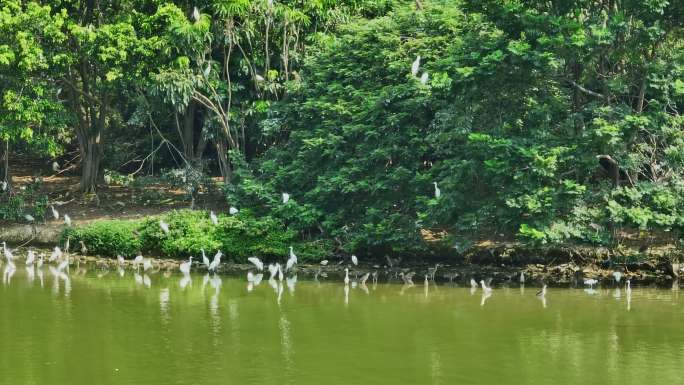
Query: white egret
[(55, 166), (291, 261), (63, 265), (121, 260), (522, 277), (56, 254), (4, 185), (195, 14), (39, 264), (415, 66), (590, 282), (67, 220), (286, 197), (364, 278), (147, 264), (473, 283), (280, 272), (257, 263), (485, 287), (216, 262), (407, 278), (214, 218), (7, 253), (273, 269), (30, 258), (55, 213), (84, 249), (438, 192), (424, 78), (346, 277), (185, 266), (542, 292), (617, 276), (138, 260), (205, 260), (324, 262), (232, 210), (259, 78), (354, 260), (164, 226), (29, 218)]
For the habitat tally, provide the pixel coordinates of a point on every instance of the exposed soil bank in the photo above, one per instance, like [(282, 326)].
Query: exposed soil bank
[(566, 265)]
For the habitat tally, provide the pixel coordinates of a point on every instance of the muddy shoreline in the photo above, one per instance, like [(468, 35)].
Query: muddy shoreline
[(503, 263)]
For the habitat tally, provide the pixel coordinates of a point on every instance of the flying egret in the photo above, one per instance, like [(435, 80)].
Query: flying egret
[(424, 78), (55, 213), (214, 218), (346, 276), (286, 197), (438, 192), (164, 226), (257, 263), (67, 220), (415, 66), (232, 210), (30, 258), (354, 260), (185, 267)]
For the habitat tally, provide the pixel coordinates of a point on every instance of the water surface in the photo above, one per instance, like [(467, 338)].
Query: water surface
[(106, 329)]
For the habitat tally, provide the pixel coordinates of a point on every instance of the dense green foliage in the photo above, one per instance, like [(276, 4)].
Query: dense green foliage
[(238, 237), (511, 107)]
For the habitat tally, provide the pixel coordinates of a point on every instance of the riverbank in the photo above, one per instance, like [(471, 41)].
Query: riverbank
[(502, 262)]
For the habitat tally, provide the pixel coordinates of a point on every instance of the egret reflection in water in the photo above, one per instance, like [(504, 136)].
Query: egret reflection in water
[(576, 339)]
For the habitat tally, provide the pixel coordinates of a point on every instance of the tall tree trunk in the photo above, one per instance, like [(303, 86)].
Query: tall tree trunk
[(91, 155), (4, 164), (224, 164), (189, 131)]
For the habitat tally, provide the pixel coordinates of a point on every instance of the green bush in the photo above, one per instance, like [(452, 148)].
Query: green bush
[(238, 237), (107, 238)]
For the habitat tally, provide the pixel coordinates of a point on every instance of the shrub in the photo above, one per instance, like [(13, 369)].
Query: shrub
[(107, 238)]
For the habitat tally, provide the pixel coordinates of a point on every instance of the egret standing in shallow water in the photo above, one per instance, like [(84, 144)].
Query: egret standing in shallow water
[(291, 261), (30, 258), (216, 262), (185, 267), (346, 277), (257, 263), (590, 282), (542, 292)]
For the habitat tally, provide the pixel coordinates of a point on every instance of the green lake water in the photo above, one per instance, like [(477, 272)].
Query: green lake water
[(86, 329)]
